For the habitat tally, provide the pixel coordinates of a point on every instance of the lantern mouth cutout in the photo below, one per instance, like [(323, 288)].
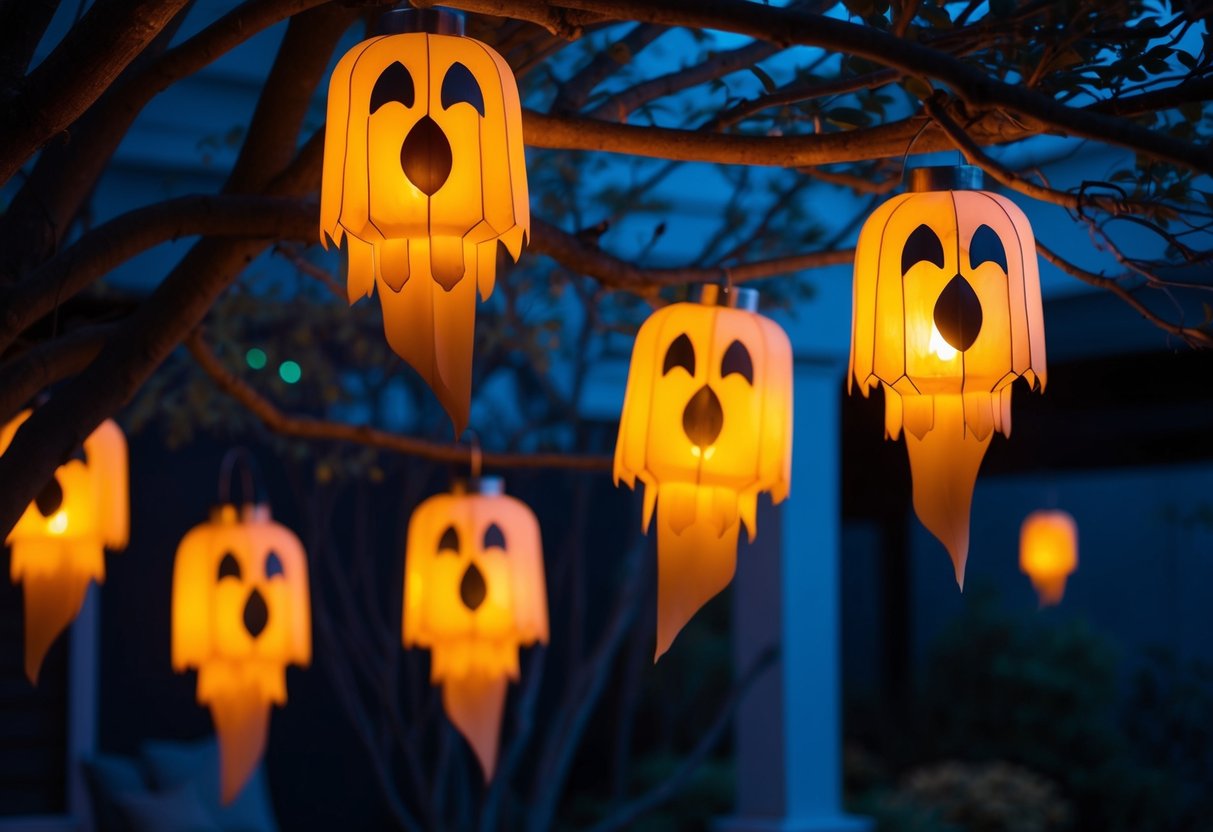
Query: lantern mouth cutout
[(424, 174), (241, 614), (474, 594), (58, 545), (706, 426), (947, 314), (1048, 553)]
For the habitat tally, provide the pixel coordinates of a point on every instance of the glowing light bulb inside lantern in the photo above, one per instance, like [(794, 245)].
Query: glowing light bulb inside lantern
[(58, 523), (942, 349)]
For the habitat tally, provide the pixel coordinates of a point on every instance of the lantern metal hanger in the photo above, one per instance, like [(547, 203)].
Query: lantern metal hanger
[(706, 426), (424, 174), (474, 594), (58, 544), (241, 614), (947, 314)]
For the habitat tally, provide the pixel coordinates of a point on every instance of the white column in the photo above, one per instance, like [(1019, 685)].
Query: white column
[(789, 754)]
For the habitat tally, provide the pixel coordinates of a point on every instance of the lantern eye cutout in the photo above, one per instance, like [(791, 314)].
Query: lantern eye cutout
[(394, 84), (946, 340), (449, 542), (460, 87), (737, 361), (986, 247), (229, 567), (494, 537), (424, 176), (58, 544), (241, 628), (681, 353), (922, 246), (704, 446), (474, 613)]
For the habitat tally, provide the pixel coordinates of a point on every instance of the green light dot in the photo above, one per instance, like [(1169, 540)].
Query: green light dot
[(289, 371), (255, 358)]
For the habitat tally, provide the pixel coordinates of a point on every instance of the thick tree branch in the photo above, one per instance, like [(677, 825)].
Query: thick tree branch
[(77, 72), (24, 376), (109, 245), (181, 301), (304, 427), (885, 140), (22, 24)]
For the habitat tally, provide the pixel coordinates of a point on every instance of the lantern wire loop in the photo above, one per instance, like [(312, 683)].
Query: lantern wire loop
[(249, 492)]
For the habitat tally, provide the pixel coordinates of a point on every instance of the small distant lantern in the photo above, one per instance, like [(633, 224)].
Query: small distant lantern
[(241, 614), (58, 544), (424, 174), (474, 594), (1048, 553), (706, 426), (947, 314)]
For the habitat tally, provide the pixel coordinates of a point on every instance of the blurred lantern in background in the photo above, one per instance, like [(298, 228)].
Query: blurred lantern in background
[(241, 614), (1048, 553), (424, 173), (474, 594), (58, 544), (947, 314), (706, 426)]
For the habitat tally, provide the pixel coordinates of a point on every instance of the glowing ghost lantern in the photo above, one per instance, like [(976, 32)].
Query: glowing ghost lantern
[(1048, 553), (424, 173), (241, 614), (947, 314), (58, 544), (706, 426), (474, 594)]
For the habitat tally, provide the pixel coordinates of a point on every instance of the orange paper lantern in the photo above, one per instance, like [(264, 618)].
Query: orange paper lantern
[(706, 426), (1048, 553), (474, 594), (424, 174), (58, 544), (947, 314), (241, 614)]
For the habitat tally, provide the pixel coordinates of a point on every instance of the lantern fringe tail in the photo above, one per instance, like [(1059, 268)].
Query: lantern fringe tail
[(52, 602), (1049, 589), (474, 703), (943, 465), (241, 718), (431, 327), (695, 560)]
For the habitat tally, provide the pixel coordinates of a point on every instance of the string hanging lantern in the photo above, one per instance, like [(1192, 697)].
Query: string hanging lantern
[(423, 175), (58, 544), (947, 314), (241, 614), (474, 594), (1048, 553), (706, 426)]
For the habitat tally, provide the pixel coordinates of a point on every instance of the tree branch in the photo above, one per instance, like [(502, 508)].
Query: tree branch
[(1194, 336), (303, 427), (24, 376), (183, 298), (77, 72)]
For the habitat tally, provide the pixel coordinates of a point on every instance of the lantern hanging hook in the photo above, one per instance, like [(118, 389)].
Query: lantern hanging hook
[(242, 457)]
